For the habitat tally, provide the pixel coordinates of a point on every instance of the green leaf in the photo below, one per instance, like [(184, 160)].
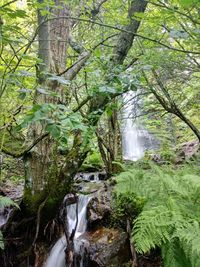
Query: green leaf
[(54, 131), (7, 202), (188, 3)]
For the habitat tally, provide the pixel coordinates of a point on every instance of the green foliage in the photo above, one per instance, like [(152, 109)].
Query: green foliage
[(170, 216), (5, 202), (93, 160), (56, 119), (126, 206)]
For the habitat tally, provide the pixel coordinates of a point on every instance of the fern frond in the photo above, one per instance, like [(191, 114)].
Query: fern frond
[(189, 236), (170, 215), (7, 202), (173, 255), (152, 228)]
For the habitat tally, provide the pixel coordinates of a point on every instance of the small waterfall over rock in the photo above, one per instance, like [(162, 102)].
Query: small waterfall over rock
[(91, 176), (57, 255), (135, 138)]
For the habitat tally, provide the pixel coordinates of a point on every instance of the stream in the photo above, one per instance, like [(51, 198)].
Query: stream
[(57, 255), (135, 141)]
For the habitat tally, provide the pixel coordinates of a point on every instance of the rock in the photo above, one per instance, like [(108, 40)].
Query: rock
[(70, 199), (107, 247), (91, 176), (99, 210), (187, 150)]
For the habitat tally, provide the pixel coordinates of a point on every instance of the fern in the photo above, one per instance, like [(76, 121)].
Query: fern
[(5, 202), (170, 215), (155, 232), (174, 256), (189, 238)]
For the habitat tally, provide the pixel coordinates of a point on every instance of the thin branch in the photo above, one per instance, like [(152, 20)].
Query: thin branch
[(162, 5), (82, 103), (38, 219), (124, 30), (84, 55), (13, 1), (19, 155)]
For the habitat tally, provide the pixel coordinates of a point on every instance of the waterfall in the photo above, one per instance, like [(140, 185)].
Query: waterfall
[(91, 176), (135, 138), (4, 215), (57, 255)]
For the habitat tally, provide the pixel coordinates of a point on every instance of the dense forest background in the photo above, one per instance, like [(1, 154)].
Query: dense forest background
[(65, 67)]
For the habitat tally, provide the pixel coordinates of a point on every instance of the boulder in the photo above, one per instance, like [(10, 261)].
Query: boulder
[(107, 247), (70, 199), (99, 209)]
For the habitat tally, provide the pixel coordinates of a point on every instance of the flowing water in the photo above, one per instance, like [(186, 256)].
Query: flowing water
[(135, 138), (57, 255), (4, 215)]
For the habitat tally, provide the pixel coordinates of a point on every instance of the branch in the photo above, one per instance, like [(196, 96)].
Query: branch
[(96, 10), (13, 1), (82, 103), (78, 48), (162, 5), (39, 219), (126, 31), (73, 70)]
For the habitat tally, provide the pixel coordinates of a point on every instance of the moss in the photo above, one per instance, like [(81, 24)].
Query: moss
[(93, 162)]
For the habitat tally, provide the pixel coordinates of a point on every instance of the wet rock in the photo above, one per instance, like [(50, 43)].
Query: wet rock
[(14, 192), (91, 176), (102, 176), (70, 199), (107, 247), (99, 209)]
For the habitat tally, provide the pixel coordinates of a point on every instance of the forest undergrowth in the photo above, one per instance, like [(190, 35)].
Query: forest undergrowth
[(163, 204)]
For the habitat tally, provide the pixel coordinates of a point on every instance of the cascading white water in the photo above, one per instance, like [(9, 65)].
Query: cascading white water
[(135, 139), (90, 176), (57, 255), (82, 221)]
